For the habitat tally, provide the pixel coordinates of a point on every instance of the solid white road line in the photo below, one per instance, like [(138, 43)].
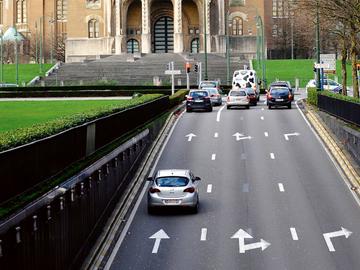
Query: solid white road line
[(294, 234), (262, 118), (213, 156), (203, 234), (281, 187), (209, 188), (272, 156), (266, 134), (216, 135), (218, 116)]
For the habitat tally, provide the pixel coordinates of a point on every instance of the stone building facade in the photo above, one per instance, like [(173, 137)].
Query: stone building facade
[(106, 27)]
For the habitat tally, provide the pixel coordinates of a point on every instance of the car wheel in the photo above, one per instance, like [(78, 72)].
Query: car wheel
[(150, 210), (289, 106), (188, 110), (210, 110), (255, 104), (195, 209), (248, 107), (269, 106), (228, 107)]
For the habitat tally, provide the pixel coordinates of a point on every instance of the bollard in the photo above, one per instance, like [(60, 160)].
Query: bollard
[(48, 211), (61, 203), (35, 227), (99, 174), (72, 197), (18, 237)]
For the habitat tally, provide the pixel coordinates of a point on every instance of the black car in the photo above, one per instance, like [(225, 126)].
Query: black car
[(198, 100), (279, 96), (283, 84)]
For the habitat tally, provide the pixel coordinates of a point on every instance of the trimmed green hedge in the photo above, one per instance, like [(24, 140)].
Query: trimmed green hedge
[(312, 96), (23, 136), (178, 97)]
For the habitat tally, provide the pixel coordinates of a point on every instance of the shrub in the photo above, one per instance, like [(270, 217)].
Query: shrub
[(339, 96), (178, 97), (312, 96), (21, 136)]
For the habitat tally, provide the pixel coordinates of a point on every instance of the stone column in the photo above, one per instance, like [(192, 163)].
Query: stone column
[(118, 37), (178, 31), (208, 40), (146, 27)]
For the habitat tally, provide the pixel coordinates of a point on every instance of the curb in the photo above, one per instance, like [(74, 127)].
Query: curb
[(339, 155)]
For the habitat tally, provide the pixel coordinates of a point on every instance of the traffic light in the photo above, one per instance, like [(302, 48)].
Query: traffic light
[(188, 67), (196, 68)]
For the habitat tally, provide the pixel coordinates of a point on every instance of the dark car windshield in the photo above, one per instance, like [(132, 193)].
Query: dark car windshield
[(208, 84), (199, 94), (237, 93), (213, 91), (172, 181), (279, 91)]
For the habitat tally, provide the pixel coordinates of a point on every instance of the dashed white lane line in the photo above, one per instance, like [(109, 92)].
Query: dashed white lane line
[(216, 135), (218, 116), (203, 234), (262, 109), (209, 188), (262, 118), (272, 156), (246, 188), (213, 156), (294, 234), (281, 187), (266, 134)]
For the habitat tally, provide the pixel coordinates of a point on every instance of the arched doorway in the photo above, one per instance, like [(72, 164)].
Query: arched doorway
[(132, 46), (195, 45), (164, 35)]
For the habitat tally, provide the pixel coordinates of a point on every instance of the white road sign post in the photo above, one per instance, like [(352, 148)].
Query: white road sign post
[(172, 72)]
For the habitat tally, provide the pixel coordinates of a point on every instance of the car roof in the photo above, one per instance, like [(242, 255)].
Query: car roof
[(173, 172)]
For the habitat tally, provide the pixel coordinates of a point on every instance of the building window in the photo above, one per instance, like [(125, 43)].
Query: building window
[(93, 28), (280, 8), (1, 11), (236, 3), (195, 45), (61, 10), (237, 26), (21, 11)]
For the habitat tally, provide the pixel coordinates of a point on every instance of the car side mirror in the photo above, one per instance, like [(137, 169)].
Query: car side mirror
[(150, 178), (197, 178)]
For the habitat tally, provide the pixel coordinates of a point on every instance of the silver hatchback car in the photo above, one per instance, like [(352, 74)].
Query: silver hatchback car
[(171, 188)]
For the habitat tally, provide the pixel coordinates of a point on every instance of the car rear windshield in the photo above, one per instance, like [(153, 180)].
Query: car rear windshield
[(250, 91), (199, 94), (213, 91), (280, 91), (172, 181), (237, 94)]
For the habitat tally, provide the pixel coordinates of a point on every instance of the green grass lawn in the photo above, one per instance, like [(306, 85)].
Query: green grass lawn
[(288, 70), (26, 72), (19, 114)]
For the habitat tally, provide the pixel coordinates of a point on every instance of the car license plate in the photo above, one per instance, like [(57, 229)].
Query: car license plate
[(199, 101), (172, 201), (279, 99)]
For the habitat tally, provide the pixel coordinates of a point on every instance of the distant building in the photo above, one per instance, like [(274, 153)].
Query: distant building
[(104, 27)]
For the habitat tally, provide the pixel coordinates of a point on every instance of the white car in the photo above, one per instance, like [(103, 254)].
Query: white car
[(238, 98), (328, 84)]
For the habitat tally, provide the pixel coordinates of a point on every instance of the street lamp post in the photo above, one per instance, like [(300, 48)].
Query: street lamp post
[(260, 25), (16, 56), (205, 41), (318, 82), (1, 58), (227, 27)]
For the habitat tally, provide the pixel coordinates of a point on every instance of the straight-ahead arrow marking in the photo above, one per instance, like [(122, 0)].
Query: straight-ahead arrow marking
[(290, 134), (238, 135), (161, 234), (190, 136), (328, 236)]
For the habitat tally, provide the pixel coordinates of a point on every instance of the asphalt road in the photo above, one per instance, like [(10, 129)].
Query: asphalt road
[(286, 192)]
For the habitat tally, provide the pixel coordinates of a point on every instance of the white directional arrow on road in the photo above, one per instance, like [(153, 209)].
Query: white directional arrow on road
[(242, 235), (158, 237), (290, 134), (238, 136), (190, 136), (245, 138), (328, 236)]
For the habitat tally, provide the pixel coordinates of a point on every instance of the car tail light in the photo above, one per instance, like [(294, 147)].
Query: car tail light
[(290, 96), (207, 97), (248, 98), (154, 190), (212, 95), (190, 190), (189, 98), (228, 99), (269, 96)]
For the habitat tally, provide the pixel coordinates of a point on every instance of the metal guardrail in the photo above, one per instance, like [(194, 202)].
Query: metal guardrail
[(345, 110)]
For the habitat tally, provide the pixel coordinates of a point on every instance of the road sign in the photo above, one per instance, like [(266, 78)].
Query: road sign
[(324, 66), (172, 72), (329, 59)]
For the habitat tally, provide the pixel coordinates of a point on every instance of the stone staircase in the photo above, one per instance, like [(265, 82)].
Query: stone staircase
[(128, 69)]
